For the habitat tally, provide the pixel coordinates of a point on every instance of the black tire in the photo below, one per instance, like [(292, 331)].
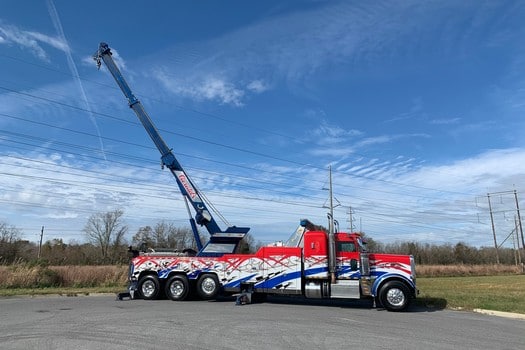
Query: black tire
[(208, 286), (394, 296), (148, 287), (177, 287)]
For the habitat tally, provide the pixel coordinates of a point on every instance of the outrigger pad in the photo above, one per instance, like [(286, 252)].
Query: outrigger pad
[(121, 296), (243, 299)]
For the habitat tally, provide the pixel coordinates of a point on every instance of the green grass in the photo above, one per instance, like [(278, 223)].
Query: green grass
[(498, 293)]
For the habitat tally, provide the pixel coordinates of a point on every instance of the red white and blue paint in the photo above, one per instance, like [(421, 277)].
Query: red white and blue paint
[(288, 270)]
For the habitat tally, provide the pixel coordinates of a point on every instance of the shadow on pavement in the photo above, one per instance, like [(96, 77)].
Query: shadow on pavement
[(428, 305), (417, 305)]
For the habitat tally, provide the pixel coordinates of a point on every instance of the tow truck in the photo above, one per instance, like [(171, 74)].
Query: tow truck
[(312, 263)]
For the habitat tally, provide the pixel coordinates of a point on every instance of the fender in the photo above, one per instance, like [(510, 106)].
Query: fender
[(392, 276)]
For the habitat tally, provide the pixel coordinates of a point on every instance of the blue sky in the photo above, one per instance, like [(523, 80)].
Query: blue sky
[(417, 107)]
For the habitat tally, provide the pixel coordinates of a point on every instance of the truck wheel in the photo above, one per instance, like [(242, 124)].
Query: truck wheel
[(177, 287), (394, 296), (148, 287), (208, 286)]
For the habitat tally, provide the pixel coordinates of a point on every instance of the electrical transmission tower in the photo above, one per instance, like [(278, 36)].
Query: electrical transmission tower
[(518, 230), (350, 220)]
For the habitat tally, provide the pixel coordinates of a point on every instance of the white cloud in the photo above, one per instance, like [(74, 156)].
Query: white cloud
[(328, 134), (30, 40), (205, 88), (445, 121), (396, 199), (257, 86), (332, 151), (399, 191), (63, 215), (336, 141), (217, 89), (489, 171), (57, 43), (404, 200)]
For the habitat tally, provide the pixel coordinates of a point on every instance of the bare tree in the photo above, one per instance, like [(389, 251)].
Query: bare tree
[(9, 239), (180, 237), (164, 235), (106, 230), (8, 234), (161, 233), (144, 237)]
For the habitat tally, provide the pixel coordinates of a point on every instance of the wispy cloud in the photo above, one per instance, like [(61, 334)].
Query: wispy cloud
[(290, 48), (257, 86), (58, 43), (445, 121), (332, 151), (415, 200), (210, 88), (329, 134), (338, 142), (30, 40)]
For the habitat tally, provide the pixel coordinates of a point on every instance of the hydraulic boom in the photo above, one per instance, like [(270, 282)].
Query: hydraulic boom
[(220, 241)]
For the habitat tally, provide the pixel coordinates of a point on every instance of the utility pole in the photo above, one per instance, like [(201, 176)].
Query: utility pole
[(517, 245), (40, 245), (519, 220), (493, 229), (332, 262)]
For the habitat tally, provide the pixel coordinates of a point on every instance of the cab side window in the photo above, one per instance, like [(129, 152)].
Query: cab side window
[(346, 247)]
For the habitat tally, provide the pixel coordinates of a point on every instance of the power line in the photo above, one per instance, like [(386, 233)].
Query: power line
[(231, 147), (120, 155), (382, 204)]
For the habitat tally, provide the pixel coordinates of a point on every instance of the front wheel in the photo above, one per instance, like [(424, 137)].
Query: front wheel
[(149, 287), (177, 287), (208, 286), (394, 296)]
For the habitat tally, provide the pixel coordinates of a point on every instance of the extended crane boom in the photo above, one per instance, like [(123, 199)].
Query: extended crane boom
[(220, 241)]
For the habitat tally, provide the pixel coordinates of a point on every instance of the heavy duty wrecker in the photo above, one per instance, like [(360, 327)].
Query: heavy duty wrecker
[(311, 263)]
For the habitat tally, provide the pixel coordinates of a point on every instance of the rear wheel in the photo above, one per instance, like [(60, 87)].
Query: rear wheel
[(208, 286), (177, 287), (149, 287), (394, 296)]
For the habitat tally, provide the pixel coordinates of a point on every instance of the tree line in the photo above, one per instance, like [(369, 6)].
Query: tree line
[(106, 244), (450, 254)]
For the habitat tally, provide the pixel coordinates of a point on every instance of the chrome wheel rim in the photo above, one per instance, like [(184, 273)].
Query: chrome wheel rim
[(395, 297), (176, 288), (148, 288), (208, 285)]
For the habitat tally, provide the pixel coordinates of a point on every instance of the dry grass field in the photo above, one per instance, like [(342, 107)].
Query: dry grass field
[(27, 277), (467, 270)]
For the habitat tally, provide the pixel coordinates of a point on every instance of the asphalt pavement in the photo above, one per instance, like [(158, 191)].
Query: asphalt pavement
[(102, 322)]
